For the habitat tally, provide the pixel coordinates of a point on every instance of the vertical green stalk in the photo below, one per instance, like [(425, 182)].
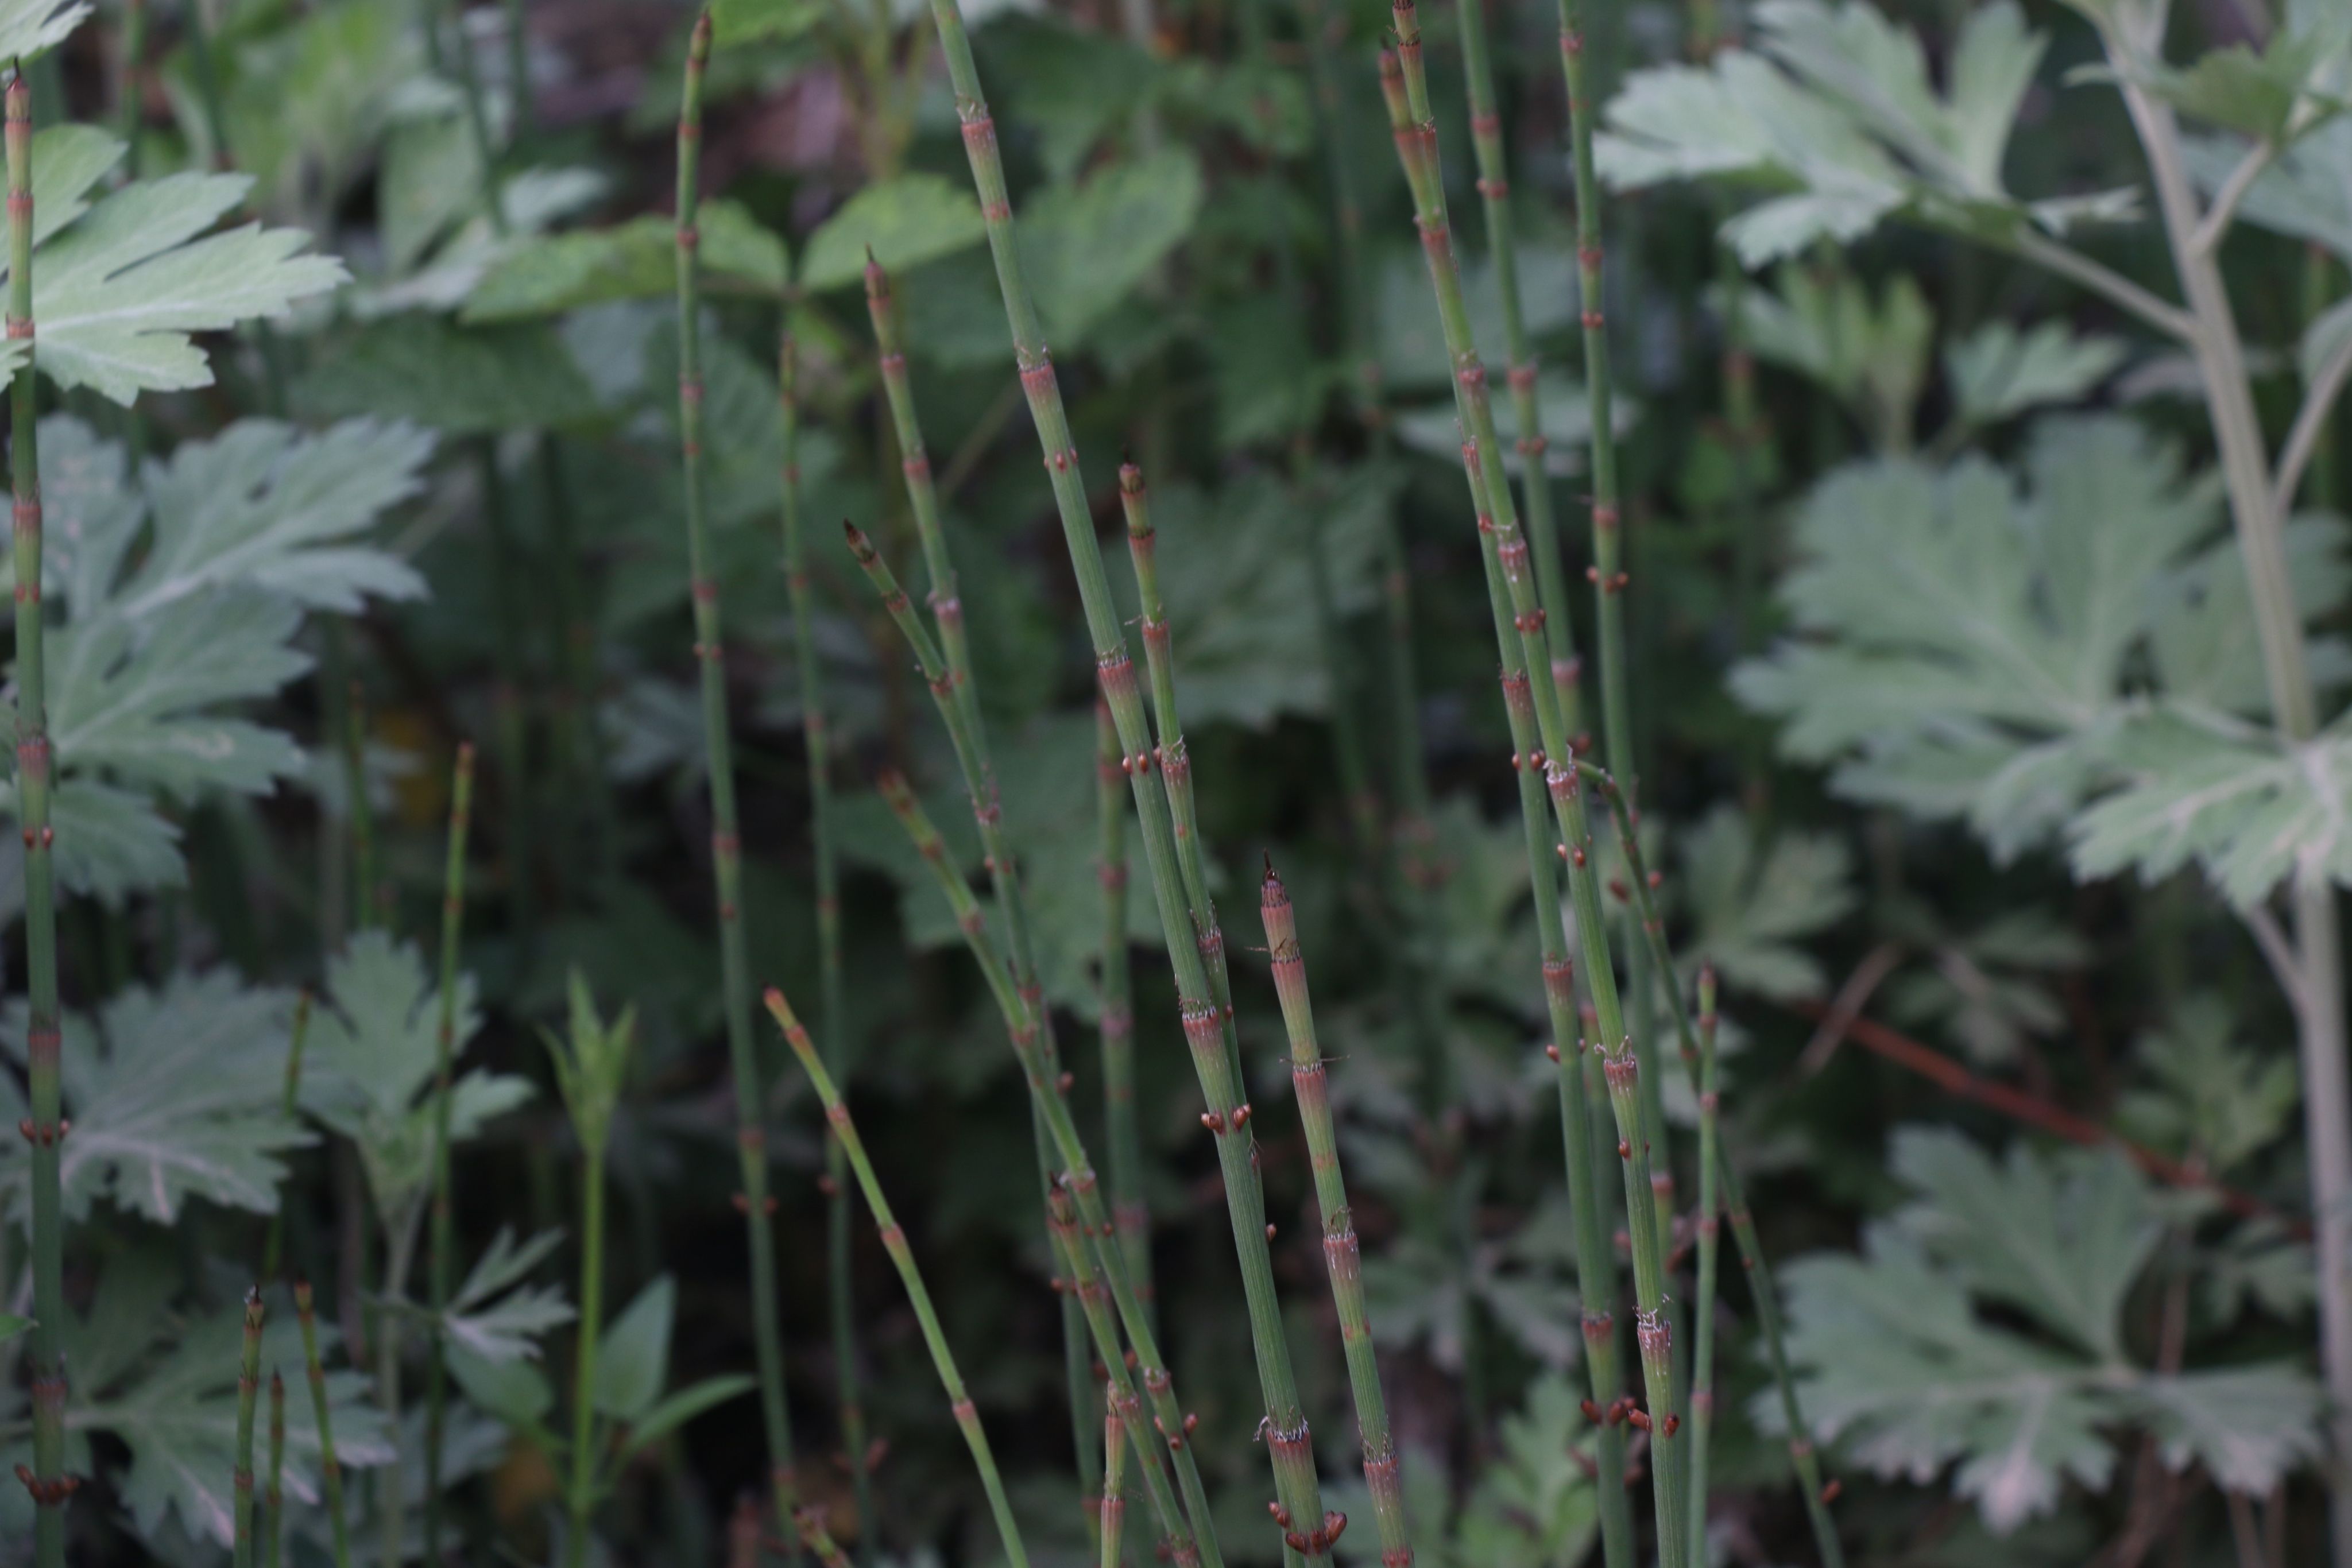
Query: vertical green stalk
[(289, 1105), (1114, 1500), (248, 1393), (1502, 243), (893, 1241), (1129, 1210), (963, 729), (580, 1498), (1703, 1307), (1595, 1261), (726, 847), (45, 1129), (1340, 1255), (367, 903), (129, 81), (1207, 1019), (273, 1501), (330, 1469), (1077, 1187), (1733, 1200), (832, 1021), (444, 1245)]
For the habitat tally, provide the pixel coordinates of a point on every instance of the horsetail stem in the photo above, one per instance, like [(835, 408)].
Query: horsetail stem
[(960, 699), (1207, 1017), (273, 1501), (1129, 1210), (1802, 1456), (1595, 1261), (832, 1021), (330, 1471), (1077, 1249), (1175, 762), (1703, 1306), (1114, 1502), (444, 1050), (817, 1538), (893, 1241), (1502, 243), (45, 1129), (1077, 1171), (248, 1393), (1340, 1256), (288, 1104), (726, 846)]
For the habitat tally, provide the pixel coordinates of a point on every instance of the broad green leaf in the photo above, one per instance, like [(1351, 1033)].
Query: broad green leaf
[(12, 1325), (1872, 354), (551, 274), (461, 380), (1964, 644), (372, 1054), (1833, 115), (307, 103), (2208, 1097), (29, 26), (1071, 86), (496, 1317), (1085, 245), (515, 1391), (1899, 1359), (1998, 372), (736, 22), (119, 289), (632, 1357), (684, 1406), (2296, 79), (2206, 643), (1751, 904), (904, 222), (2329, 334), (173, 1093), (1988, 986), (2305, 193)]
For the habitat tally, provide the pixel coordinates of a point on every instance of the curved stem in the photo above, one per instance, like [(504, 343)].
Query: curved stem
[(2310, 426)]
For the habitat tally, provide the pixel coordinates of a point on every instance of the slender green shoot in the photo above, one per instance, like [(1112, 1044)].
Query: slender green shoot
[(273, 1499), (893, 1241), (1114, 1499), (288, 1105), (1128, 1210), (1340, 1254), (725, 845), (443, 1241), (1416, 139), (45, 1128), (1078, 1187), (330, 1469), (1703, 1307), (248, 1393)]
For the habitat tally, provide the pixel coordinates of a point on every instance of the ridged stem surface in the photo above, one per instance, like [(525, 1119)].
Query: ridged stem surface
[(725, 845), (1341, 1255), (273, 1499), (893, 1241), (36, 776), (444, 1050), (1114, 1499), (330, 1469), (833, 1024), (1077, 1177), (1128, 1210), (1709, 1243), (1595, 1261)]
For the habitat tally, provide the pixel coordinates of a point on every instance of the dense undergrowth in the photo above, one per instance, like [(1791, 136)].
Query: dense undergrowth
[(563, 1006)]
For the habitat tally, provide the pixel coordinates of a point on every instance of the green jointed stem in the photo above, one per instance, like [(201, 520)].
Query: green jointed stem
[(330, 1469), (1702, 1304), (49, 1484), (273, 1499), (1129, 1210), (726, 847), (580, 1499), (1595, 1259), (1207, 1020), (289, 1102), (1077, 1180), (1114, 1501), (129, 81), (893, 1241), (1175, 762), (1733, 1201), (1502, 242), (961, 694), (445, 1050), (1340, 1254), (832, 1021), (248, 1393)]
